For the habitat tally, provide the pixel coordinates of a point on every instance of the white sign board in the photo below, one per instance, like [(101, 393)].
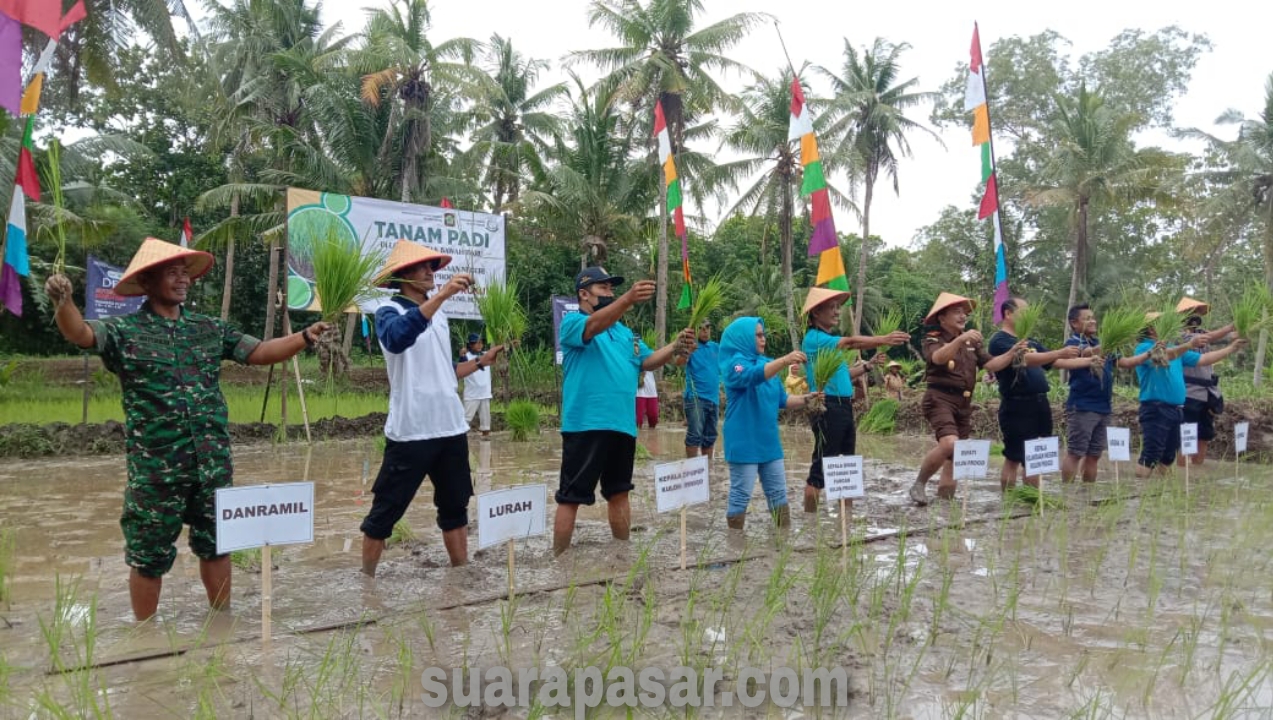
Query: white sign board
[(681, 483), (844, 477), (1240, 433), (257, 515), (511, 514), (475, 242), (1119, 440), (1042, 456), (972, 459), (1189, 438)]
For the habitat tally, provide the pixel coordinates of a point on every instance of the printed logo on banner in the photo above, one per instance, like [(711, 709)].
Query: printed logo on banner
[(101, 299), (563, 305), (1042, 456), (474, 241), (681, 484), (972, 459), (844, 477), (511, 514), (1119, 440), (1241, 431)]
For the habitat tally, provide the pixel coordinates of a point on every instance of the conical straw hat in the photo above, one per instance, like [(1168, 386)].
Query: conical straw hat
[(1189, 306), (1152, 316), (407, 253), (944, 301), (154, 252), (818, 295)]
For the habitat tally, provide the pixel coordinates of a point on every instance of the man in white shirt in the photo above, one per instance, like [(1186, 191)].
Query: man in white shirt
[(477, 387), (425, 433), (647, 401)]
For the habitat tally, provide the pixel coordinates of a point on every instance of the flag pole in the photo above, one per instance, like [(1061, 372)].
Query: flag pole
[(785, 54), (994, 164)]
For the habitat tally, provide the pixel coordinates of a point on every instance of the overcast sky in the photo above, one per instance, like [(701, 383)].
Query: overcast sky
[(1232, 75)]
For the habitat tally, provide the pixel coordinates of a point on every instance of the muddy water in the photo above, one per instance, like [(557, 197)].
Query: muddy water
[(1147, 605)]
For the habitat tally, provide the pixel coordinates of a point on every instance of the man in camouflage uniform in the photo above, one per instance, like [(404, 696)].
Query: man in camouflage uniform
[(178, 439)]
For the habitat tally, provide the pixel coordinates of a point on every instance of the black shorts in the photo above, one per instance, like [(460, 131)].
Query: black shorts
[(593, 455), (1022, 419), (444, 460), (1196, 411)]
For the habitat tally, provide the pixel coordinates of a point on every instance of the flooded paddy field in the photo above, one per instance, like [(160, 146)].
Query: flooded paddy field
[(1130, 600)]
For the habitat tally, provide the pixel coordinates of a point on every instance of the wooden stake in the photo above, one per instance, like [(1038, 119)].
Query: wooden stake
[(844, 529), (267, 567), (963, 513), (682, 537), (511, 584), (88, 389), (1188, 462), (300, 389), (1115, 475)]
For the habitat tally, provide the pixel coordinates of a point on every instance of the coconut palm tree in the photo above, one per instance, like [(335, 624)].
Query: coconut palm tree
[(663, 56), (593, 190), (867, 128), (1096, 162), (771, 164), (1247, 183), (514, 121), (400, 66)]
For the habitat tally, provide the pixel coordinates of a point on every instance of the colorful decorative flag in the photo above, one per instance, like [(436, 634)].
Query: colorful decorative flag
[(10, 64), (187, 233), (975, 101), (446, 203), (673, 183), (823, 242), (31, 96), (16, 261), (44, 15), (27, 179)]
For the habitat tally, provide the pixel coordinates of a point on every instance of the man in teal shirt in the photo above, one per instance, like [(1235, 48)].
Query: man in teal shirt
[(702, 394), (601, 361), (1162, 395)]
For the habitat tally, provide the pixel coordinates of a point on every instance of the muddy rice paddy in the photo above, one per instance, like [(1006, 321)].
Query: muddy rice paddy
[(1135, 600)]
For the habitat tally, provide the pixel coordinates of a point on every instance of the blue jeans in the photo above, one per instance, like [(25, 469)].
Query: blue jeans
[(1160, 433), (700, 423), (742, 478)]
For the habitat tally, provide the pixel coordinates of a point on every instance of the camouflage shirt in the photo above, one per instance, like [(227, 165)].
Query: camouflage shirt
[(170, 371)]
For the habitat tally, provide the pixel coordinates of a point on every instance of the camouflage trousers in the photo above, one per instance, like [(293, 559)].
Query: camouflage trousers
[(166, 491)]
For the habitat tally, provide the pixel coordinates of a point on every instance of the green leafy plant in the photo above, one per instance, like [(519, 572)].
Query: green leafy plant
[(343, 275), (522, 417), (707, 301), (1251, 312), (58, 229), (505, 321), (881, 419), (824, 366), (1167, 326), (888, 323), (1024, 321), (1119, 328), (402, 532), (1030, 495)]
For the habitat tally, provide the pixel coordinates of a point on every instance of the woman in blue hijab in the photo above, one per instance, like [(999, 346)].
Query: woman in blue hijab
[(753, 397)]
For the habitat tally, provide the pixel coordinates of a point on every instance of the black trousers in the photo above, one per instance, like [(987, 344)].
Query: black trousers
[(834, 433)]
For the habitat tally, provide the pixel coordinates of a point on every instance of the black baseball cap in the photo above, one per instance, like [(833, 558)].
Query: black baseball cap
[(591, 275), (474, 337)]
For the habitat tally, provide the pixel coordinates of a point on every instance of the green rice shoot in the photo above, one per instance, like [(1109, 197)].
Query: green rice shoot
[(1251, 311), (1026, 319), (1119, 328), (522, 417), (343, 275), (707, 301), (502, 313), (888, 323)]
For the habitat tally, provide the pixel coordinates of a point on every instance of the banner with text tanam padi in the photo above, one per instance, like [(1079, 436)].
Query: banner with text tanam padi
[(475, 242)]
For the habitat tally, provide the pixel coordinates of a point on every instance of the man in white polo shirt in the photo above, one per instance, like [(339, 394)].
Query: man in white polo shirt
[(426, 433), (477, 387)]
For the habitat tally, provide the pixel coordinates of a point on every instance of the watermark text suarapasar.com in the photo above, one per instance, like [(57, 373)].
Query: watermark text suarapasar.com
[(651, 687)]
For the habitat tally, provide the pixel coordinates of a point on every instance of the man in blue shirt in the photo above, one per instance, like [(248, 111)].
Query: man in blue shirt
[(1024, 411), (1162, 395), (702, 394), (834, 430), (1088, 407), (601, 361)]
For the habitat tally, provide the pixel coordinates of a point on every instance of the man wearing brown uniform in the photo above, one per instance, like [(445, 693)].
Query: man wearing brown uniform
[(954, 356)]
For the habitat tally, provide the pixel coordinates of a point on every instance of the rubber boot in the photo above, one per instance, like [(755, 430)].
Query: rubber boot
[(735, 522), (782, 516)]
